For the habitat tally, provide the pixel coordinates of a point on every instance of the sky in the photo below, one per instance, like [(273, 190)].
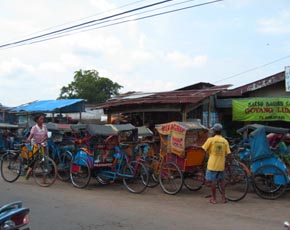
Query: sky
[(222, 42)]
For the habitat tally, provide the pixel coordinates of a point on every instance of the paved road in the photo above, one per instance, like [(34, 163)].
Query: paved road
[(63, 207)]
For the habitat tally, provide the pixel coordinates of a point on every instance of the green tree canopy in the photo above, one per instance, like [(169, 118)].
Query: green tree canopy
[(89, 85)]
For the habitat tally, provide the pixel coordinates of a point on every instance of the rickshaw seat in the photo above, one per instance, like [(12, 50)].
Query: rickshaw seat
[(111, 142), (195, 156)]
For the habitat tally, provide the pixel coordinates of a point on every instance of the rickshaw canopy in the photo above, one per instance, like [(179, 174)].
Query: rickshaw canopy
[(268, 129), (104, 130), (259, 144), (60, 127), (180, 135), (124, 131), (127, 132), (143, 131), (8, 126), (179, 126), (122, 127)]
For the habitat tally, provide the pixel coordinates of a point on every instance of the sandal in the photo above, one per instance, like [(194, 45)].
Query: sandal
[(212, 201)]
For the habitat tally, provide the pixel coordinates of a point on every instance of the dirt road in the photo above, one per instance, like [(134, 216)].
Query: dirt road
[(63, 207)]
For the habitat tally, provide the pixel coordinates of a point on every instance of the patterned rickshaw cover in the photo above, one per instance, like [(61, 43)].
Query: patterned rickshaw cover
[(181, 135)]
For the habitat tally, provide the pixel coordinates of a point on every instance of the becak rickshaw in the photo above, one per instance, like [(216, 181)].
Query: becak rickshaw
[(267, 161), (109, 158), (180, 161)]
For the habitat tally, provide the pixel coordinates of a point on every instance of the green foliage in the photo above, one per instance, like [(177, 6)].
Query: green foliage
[(89, 85)]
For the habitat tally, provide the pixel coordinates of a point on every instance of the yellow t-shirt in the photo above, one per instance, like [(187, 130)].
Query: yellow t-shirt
[(217, 148)]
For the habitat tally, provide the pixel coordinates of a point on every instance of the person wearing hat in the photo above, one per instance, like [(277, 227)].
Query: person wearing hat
[(217, 148)]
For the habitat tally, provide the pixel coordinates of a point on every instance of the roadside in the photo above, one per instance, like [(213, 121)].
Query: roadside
[(62, 206)]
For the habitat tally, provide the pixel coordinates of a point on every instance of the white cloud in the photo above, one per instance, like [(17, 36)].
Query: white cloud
[(69, 60), (184, 61), (237, 4), (14, 65), (276, 25), (137, 55)]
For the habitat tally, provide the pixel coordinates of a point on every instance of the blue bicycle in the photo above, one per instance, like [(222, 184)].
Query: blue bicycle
[(108, 168), (62, 156)]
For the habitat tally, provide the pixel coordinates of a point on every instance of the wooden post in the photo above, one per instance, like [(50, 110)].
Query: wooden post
[(209, 113), (81, 109), (109, 118)]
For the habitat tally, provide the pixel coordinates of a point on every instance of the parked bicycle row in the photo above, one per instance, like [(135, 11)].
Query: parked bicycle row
[(174, 159)]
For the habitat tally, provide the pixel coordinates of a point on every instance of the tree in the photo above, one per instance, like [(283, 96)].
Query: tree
[(89, 85)]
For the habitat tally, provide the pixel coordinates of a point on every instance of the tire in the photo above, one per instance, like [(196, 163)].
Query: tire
[(194, 181), (236, 182), (11, 166), (80, 172), (135, 177), (153, 180), (269, 182), (153, 177), (104, 180), (44, 171), (170, 178), (63, 166)]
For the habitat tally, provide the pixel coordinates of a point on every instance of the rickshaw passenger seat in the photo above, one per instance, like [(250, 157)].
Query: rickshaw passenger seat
[(111, 142), (195, 156)]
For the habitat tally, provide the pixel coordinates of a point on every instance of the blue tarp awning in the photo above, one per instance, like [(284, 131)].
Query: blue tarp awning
[(53, 106)]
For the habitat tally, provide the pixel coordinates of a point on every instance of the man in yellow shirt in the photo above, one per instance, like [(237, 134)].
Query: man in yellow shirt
[(217, 148)]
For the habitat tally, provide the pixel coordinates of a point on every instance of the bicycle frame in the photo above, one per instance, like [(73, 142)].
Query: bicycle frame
[(133, 173), (116, 166)]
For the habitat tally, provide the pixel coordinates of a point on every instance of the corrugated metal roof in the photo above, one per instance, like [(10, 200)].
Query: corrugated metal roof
[(254, 85), (169, 97)]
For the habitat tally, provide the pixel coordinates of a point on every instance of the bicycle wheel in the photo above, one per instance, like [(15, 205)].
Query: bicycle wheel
[(63, 166), (44, 171), (170, 178), (104, 180), (269, 182), (153, 177), (11, 166), (135, 177), (194, 180), (236, 182), (80, 172)]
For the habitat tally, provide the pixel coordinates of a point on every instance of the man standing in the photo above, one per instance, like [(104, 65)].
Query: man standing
[(217, 148)]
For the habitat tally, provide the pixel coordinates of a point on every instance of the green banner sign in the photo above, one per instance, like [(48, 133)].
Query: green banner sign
[(262, 109)]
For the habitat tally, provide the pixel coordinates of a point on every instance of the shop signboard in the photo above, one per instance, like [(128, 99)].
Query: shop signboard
[(261, 109)]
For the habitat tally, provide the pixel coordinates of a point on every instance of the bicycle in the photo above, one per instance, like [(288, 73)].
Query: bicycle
[(236, 180), (133, 173), (169, 171), (28, 160), (62, 157), (144, 152)]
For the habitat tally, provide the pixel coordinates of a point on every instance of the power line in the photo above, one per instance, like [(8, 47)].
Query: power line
[(80, 19), (106, 21), (99, 21), (82, 24), (254, 68)]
